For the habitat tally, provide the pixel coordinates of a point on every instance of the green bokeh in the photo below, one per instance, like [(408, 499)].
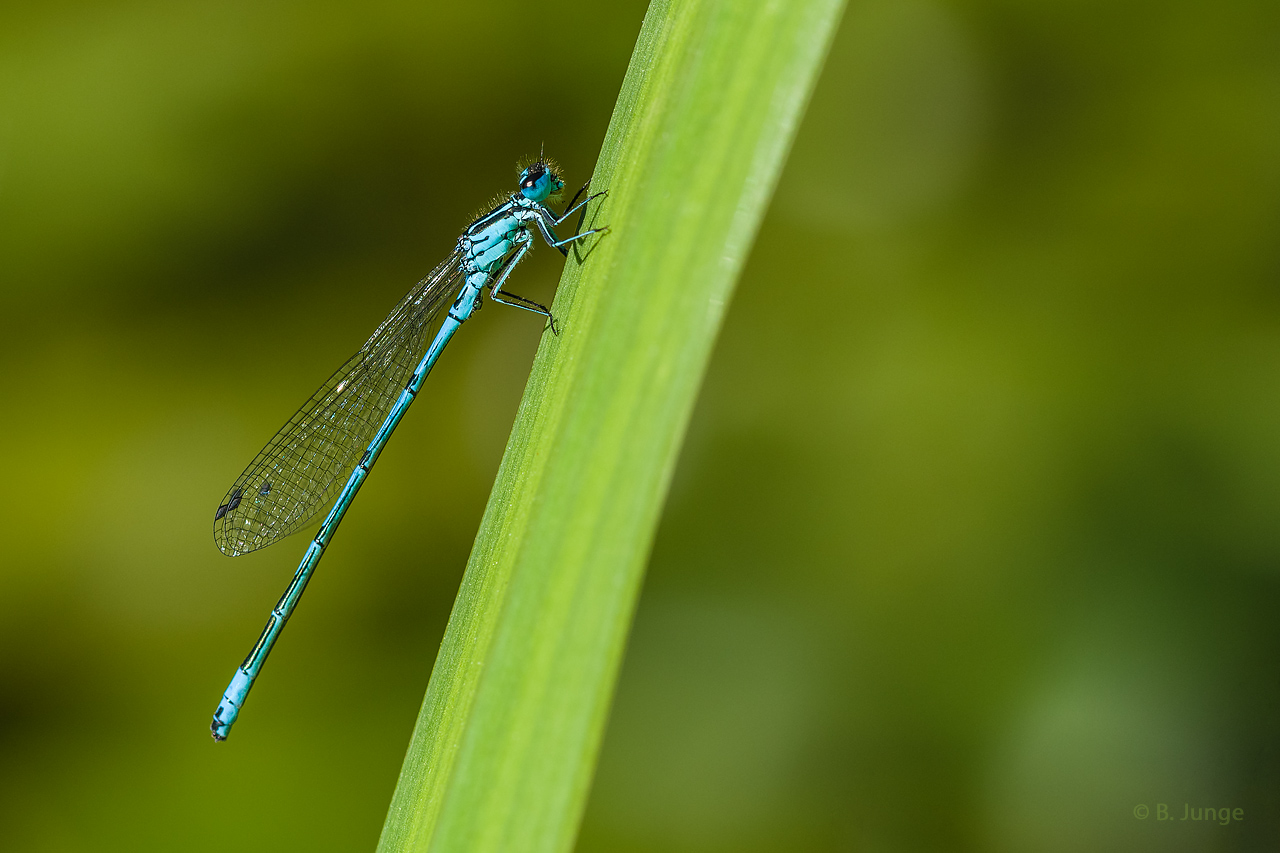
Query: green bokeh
[(973, 544)]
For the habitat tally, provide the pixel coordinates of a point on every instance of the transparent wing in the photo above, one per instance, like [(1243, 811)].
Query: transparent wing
[(302, 468)]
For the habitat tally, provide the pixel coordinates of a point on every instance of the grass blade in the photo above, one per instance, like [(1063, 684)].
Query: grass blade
[(504, 746)]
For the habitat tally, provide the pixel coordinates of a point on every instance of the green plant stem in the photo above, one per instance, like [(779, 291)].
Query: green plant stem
[(504, 746)]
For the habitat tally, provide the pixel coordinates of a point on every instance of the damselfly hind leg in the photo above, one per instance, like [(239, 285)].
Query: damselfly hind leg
[(518, 301), (497, 294)]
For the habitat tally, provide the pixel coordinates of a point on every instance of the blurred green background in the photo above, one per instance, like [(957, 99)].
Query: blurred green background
[(973, 545)]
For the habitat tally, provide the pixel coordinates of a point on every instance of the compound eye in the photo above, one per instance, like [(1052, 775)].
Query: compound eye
[(531, 178)]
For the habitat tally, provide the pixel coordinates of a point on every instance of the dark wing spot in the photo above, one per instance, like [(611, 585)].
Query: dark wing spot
[(229, 505), (266, 487)]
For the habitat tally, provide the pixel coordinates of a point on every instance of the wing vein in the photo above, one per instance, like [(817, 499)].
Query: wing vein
[(302, 467)]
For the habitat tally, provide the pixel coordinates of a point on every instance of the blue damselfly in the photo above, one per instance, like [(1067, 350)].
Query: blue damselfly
[(337, 434)]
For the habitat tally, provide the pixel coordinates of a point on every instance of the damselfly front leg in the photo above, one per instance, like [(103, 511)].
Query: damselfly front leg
[(574, 206), (547, 220)]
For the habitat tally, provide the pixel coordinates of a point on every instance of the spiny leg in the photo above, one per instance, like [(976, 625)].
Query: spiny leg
[(574, 206), (574, 201), (547, 220)]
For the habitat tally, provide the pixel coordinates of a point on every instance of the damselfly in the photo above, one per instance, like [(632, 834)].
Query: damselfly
[(340, 431)]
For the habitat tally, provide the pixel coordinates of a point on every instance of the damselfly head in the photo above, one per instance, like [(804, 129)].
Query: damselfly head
[(540, 181)]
